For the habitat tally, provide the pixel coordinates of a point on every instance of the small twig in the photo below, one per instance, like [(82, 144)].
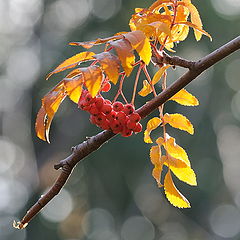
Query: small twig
[(84, 149)]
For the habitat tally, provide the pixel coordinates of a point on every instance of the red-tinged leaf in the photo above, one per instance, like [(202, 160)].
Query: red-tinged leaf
[(89, 44), (151, 125), (146, 89), (125, 54), (93, 78), (159, 73), (185, 98), (73, 86), (172, 193), (175, 150), (155, 154), (72, 62), (179, 121), (141, 44), (110, 65), (181, 170), (50, 105)]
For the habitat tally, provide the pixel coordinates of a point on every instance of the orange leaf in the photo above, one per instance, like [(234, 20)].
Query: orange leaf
[(181, 170), (73, 87), (110, 65), (159, 74), (179, 121), (141, 43), (146, 89), (124, 51), (93, 77), (155, 154), (185, 98), (172, 193), (151, 125), (158, 4), (72, 62), (175, 150), (50, 105), (157, 173)]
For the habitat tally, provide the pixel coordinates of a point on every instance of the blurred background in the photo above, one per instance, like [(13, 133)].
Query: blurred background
[(112, 195)]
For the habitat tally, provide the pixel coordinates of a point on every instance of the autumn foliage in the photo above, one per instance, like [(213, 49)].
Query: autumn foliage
[(153, 30)]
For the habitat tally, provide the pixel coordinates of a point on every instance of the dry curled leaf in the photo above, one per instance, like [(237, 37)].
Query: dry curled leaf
[(151, 125), (146, 89)]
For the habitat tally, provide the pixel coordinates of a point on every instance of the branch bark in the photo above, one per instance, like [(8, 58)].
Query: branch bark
[(93, 143)]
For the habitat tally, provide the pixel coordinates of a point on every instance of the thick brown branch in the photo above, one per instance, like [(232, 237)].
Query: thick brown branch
[(84, 149)]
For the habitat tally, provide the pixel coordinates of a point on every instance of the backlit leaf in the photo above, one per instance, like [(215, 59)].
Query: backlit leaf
[(179, 121), (158, 4), (72, 62), (185, 98), (159, 74), (151, 125), (141, 44), (93, 77), (175, 150), (40, 125), (125, 54), (181, 170), (157, 173), (110, 65), (146, 89), (172, 193), (155, 154)]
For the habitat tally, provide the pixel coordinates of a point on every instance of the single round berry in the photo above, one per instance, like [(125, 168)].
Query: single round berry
[(94, 110), (117, 106), (106, 108), (89, 98), (128, 109), (126, 132), (106, 87), (134, 117), (131, 125), (99, 102), (116, 126), (111, 116), (121, 117), (105, 125), (138, 128), (100, 118)]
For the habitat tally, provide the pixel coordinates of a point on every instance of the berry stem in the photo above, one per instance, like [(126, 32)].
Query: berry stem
[(120, 92), (136, 82)]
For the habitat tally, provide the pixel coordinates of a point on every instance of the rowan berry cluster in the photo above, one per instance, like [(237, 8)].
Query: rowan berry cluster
[(115, 116)]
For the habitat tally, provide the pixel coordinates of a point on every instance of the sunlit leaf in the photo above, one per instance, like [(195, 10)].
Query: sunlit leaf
[(181, 170), (159, 74), (110, 65), (179, 121), (72, 62), (172, 193), (93, 78), (73, 86), (141, 44), (175, 150), (157, 173), (151, 125), (155, 154), (146, 89), (185, 98), (158, 4), (125, 54), (50, 105)]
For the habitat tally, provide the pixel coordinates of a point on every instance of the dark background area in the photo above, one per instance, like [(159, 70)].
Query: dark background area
[(111, 195)]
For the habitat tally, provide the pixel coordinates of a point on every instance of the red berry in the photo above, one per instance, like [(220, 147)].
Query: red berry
[(138, 128), (128, 109), (89, 98), (106, 108), (106, 87), (126, 132), (116, 126), (131, 125), (105, 125), (121, 117), (117, 106), (93, 110), (93, 119), (106, 101), (99, 102), (134, 117), (111, 116), (100, 118)]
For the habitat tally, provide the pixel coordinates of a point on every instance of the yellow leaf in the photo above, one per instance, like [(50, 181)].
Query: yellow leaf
[(50, 105), (181, 170), (185, 98), (141, 44), (72, 62), (179, 121), (73, 86), (151, 125), (159, 74), (157, 173), (155, 154), (158, 4), (93, 77), (172, 193), (175, 150), (110, 65), (146, 89), (124, 51)]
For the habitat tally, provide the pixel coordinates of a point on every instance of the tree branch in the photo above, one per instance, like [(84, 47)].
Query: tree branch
[(93, 143)]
